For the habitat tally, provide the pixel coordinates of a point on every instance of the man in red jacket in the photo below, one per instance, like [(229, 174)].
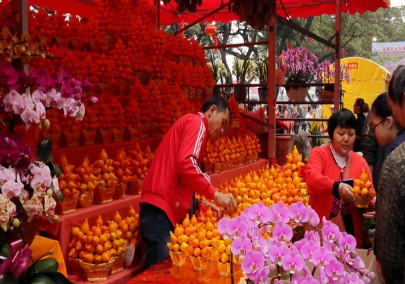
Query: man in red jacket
[(175, 175)]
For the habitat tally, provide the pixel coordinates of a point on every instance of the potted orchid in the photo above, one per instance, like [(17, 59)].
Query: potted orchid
[(301, 66), (264, 239)]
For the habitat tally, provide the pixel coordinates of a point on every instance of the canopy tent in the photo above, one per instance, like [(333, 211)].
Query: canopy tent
[(285, 9), (169, 14), (367, 80)]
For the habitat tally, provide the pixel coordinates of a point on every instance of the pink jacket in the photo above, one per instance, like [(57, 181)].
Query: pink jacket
[(175, 174), (321, 172)]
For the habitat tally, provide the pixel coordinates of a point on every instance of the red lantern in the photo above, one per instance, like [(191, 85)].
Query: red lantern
[(210, 29)]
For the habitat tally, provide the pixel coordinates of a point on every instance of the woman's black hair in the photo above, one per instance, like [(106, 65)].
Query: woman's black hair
[(343, 118), (380, 106), (220, 102), (396, 87)]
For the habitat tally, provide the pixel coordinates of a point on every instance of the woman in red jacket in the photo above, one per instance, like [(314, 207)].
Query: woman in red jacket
[(328, 169), (175, 175)]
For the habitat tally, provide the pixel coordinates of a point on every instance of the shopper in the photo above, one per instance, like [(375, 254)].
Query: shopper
[(328, 168), (358, 109), (390, 204), (175, 175)]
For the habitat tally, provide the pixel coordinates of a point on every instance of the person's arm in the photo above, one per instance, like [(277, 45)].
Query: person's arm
[(317, 182)]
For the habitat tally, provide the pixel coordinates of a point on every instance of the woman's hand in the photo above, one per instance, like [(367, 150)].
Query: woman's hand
[(346, 193)]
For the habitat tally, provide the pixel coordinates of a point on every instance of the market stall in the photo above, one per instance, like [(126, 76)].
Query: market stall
[(142, 89)]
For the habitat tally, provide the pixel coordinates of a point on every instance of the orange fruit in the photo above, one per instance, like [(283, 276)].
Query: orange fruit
[(197, 251), (364, 192)]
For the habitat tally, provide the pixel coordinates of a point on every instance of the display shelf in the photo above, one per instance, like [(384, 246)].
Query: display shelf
[(61, 230), (75, 155), (228, 175)]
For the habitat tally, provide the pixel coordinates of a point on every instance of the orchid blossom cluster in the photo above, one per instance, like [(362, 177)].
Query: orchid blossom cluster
[(301, 65), (60, 91), (25, 185), (262, 238)]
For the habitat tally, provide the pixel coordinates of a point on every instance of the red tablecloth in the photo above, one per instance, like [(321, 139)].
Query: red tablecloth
[(62, 229), (165, 272), (228, 175)]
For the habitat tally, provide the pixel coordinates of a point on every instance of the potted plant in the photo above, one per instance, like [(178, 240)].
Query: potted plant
[(243, 69), (261, 71), (218, 71), (326, 71)]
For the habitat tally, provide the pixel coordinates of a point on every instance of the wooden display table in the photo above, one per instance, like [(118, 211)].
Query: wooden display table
[(165, 272), (61, 230), (75, 155)]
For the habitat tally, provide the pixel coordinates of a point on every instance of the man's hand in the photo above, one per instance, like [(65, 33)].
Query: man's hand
[(227, 201)]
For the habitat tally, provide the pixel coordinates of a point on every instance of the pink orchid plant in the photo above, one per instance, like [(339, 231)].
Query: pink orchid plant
[(263, 239), (300, 65), (27, 186), (60, 91)]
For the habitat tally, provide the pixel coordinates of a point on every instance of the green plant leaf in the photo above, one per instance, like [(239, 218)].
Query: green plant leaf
[(49, 278), (49, 264)]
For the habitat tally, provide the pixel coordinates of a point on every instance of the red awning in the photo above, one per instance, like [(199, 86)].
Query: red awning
[(169, 15), (285, 8)]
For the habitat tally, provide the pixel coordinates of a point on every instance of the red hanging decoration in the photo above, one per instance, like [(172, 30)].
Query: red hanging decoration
[(216, 42), (210, 29), (289, 45), (309, 39), (342, 53), (181, 25)]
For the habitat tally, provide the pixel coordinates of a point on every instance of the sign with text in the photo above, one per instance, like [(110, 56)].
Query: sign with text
[(388, 49)]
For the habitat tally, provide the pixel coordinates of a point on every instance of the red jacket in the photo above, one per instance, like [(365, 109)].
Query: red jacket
[(175, 174), (321, 172)]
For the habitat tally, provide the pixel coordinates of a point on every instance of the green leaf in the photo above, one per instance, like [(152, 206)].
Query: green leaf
[(45, 265), (44, 153), (49, 278)]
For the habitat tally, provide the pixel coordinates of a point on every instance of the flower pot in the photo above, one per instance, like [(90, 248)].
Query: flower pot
[(133, 133), (118, 134), (86, 199), (68, 205), (104, 195), (105, 135), (55, 137), (283, 147), (72, 139), (325, 96), (62, 42), (89, 136)]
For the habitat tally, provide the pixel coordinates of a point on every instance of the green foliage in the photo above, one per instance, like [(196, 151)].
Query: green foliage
[(243, 70), (262, 68)]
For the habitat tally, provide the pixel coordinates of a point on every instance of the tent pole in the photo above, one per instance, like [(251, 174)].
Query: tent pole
[(336, 97), (271, 85), (157, 3)]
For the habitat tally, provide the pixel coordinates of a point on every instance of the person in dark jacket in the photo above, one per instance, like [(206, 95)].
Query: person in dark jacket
[(387, 130), (358, 109), (390, 203)]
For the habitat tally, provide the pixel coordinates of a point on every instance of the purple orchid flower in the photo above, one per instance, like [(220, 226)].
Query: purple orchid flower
[(277, 252), (240, 246), (347, 242), (292, 262), (299, 212), (282, 232), (334, 269), (321, 257), (252, 265), (330, 231)]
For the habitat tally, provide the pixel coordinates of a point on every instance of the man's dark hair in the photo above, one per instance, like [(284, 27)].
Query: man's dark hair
[(220, 102), (396, 87), (343, 118)]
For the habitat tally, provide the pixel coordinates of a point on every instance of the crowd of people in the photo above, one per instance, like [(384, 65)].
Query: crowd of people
[(372, 142)]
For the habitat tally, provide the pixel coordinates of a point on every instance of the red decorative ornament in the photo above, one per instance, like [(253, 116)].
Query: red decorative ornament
[(216, 42), (210, 29), (309, 39), (289, 45), (342, 53), (181, 26)]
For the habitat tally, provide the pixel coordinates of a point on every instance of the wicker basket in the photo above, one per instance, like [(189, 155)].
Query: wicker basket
[(72, 139), (118, 265), (89, 137), (362, 202), (97, 272), (68, 205)]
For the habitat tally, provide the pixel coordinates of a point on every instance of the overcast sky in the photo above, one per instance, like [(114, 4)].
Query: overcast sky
[(396, 3)]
